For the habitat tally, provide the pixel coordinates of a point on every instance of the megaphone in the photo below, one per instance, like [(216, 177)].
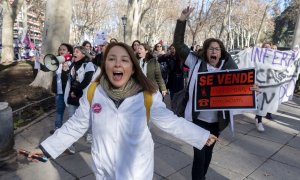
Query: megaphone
[(51, 62)]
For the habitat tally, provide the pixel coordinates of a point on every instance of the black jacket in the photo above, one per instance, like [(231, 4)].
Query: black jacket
[(64, 79), (184, 52), (75, 86)]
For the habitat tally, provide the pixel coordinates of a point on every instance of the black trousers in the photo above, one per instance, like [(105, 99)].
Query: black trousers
[(203, 157)]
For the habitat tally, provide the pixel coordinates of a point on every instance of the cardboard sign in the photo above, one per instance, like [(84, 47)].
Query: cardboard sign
[(225, 90)]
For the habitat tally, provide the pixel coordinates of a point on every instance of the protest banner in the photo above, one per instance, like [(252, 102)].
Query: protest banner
[(225, 90), (101, 37), (276, 75)]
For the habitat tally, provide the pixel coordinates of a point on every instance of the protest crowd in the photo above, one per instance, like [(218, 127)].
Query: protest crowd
[(114, 92)]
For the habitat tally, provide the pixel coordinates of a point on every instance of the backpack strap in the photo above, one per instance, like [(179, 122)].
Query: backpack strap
[(91, 91), (148, 103)]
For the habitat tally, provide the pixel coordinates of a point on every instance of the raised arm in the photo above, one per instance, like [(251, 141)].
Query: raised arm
[(178, 42)]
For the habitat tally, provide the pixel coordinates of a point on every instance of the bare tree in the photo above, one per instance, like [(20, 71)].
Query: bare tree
[(197, 22), (296, 39), (10, 11), (263, 20), (56, 31), (88, 16), (135, 10), (157, 22), (225, 20)]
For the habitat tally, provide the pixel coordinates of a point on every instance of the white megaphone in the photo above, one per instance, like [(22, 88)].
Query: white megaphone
[(51, 62)]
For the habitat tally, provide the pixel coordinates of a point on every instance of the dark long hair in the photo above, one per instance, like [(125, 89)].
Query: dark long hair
[(69, 47), (132, 45), (85, 43), (138, 74), (206, 45)]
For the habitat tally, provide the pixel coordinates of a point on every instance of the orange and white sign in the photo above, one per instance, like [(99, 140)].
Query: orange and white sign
[(225, 90)]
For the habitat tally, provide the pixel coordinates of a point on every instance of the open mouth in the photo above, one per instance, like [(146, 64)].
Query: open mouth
[(75, 56), (117, 76), (213, 57)]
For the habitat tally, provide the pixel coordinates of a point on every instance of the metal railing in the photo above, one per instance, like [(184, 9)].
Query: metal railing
[(32, 107)]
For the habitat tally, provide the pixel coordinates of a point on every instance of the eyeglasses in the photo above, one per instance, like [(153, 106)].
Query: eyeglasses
[(158, 46), (214, 49)]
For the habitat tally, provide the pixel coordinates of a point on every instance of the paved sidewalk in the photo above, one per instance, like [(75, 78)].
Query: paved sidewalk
[(250, 155)]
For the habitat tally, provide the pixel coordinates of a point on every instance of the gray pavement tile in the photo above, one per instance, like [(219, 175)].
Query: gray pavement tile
[(255, 146), (275, 132), (22, 143), (238, 161), (162, 137), (38, 171), (245, 117), (167, 161), (249, 178), (157, 177), (157, 145), (273, 170), (295, 142), (289, 108), (288, 155), (37, 132), (82, 145), (78, 164), (216, 172), (225, 138), (182, 174), (89, 177), (167, 140), (286, 119), (243, 126)]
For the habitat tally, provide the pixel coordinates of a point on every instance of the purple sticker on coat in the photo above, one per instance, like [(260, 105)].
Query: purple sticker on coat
[(96, 108)]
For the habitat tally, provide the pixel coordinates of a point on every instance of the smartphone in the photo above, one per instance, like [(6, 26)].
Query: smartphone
[(39, 158)]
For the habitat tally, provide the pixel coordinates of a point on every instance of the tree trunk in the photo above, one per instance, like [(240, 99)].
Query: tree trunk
[(238, 38), (56, 31), (242, 38), (224, 20), (10, 12), (261, 25), (296, 39), (133, 19)]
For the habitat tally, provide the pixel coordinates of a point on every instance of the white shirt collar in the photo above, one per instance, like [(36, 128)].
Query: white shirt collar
[(210, 68)]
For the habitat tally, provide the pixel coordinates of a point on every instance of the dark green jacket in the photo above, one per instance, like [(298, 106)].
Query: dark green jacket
[(154, 74)]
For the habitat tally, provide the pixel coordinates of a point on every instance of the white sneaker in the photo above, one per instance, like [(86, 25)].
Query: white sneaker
[(259, 126), (72, 149), (89, 138)]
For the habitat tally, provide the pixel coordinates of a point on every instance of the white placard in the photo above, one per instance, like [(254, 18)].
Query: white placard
[(276, 74)]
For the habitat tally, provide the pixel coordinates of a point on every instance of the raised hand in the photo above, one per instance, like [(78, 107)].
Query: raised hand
[(185, 14), (211, 140)]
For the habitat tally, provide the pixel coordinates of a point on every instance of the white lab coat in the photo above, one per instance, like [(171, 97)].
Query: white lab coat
[(89, 66), (122, 146)]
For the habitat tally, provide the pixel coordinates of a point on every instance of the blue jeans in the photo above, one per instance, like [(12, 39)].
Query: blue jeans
[(71, 110), (60, 109)]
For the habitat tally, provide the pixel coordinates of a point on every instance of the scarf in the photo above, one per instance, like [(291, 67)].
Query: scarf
[(117, 94)]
